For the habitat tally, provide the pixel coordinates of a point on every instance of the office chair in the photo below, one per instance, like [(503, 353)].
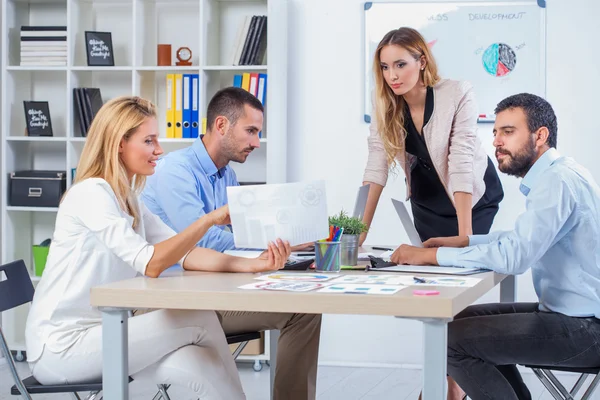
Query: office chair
[(557, 390)]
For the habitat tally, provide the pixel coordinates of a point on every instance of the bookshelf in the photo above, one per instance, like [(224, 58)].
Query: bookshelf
[(208, 27)]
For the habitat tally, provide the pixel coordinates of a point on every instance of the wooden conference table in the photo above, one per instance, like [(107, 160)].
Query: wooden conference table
[(219, 291)]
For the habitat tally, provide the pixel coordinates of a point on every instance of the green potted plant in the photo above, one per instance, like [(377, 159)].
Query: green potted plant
[(353, 227)]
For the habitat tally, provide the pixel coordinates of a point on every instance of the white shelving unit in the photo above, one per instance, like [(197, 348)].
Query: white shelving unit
[(208, 27)]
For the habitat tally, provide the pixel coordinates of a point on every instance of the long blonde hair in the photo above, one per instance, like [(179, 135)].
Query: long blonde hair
[(118, 119), (389, 108)]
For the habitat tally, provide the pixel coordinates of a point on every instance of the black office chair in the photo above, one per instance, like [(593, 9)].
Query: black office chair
[(557, 389), (17, 289)]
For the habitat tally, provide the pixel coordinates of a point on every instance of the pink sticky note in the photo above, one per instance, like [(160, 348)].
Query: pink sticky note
[(425, 292)]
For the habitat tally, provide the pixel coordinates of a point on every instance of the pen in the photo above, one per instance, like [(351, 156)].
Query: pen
[(382, 248), (304, 254), (419, 280)]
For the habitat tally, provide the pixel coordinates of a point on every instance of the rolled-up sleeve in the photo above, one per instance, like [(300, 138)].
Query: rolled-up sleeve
[(377, 167), (156, 230), (462, 141), (102, 216)]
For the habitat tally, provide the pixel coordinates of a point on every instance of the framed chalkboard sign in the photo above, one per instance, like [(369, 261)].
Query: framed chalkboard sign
[(37, 118), (99, 49)]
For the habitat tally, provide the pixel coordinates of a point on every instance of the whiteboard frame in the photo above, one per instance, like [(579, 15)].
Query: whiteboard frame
[(368, 63)]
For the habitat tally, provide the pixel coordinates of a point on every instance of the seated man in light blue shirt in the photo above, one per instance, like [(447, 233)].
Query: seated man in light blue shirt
[(191, 182), (558, 237)]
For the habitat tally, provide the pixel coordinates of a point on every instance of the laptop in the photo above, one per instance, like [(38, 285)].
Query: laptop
[(407, 223), (415, 240), (361, 201)]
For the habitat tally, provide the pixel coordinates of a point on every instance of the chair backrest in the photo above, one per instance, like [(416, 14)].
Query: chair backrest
[(15, 285)]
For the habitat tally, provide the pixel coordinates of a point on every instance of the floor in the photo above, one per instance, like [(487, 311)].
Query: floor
[(334, 383)]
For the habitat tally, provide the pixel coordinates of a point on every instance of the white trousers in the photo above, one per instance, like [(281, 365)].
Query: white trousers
[(178, 347)]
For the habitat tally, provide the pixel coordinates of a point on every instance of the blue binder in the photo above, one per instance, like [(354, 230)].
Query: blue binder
[(187, 106), (195, 93)]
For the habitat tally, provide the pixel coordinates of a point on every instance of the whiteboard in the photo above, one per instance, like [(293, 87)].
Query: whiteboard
[(499, 47)]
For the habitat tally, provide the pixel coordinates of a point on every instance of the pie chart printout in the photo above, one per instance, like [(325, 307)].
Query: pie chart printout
[(499, 59)]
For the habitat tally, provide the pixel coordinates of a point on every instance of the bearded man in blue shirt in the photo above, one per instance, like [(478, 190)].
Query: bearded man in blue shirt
[(191, 182), (558, 237)]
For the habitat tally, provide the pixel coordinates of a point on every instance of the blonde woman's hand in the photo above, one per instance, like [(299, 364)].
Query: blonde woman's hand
[(274, 257), (220, 216)]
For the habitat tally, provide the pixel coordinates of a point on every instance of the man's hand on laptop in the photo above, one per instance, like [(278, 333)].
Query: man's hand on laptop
[(453, 241), (411, 255), (273, 258)]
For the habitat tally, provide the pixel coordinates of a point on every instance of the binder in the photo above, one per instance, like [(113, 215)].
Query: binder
[(254, 83), (187, 107), (178, 106), (170, 106), (262, 88), (195, 104), (203, 126), (237, 80), (246, 81)]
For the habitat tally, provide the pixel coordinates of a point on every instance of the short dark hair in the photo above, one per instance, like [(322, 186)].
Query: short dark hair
[(229, 102), (537, 110)]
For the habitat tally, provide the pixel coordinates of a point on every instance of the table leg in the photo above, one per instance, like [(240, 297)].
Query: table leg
[(435, 344), (274, 339), (115, 365), (508, 289)]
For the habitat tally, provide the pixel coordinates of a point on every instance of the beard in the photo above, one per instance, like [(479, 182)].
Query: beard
[(519, 163), (231, 149)]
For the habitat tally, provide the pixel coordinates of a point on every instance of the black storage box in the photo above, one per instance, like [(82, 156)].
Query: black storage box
[(37, 188)]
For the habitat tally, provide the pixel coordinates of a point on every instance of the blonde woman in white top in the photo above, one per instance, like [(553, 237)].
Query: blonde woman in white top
[(104, 234)]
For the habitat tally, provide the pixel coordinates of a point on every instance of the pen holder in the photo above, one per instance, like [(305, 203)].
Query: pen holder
[(327, 256)]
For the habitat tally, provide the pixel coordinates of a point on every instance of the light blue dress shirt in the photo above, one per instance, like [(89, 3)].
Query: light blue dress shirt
[(185, 186), (558, 237)]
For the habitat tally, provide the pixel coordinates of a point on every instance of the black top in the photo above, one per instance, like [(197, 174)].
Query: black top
[(433, 211)]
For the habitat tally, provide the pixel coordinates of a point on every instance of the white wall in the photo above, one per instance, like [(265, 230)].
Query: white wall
[(327, 140)]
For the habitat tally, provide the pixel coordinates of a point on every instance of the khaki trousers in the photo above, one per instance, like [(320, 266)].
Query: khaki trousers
[(297, 349)]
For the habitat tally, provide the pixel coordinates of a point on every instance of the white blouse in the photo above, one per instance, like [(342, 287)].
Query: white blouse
[(93, 244)]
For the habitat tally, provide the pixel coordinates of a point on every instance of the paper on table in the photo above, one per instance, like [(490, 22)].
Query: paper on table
[(296, 212), (361, 289), (386, 255), (409, 280), (283, 285), (296, 276), (371, 279)]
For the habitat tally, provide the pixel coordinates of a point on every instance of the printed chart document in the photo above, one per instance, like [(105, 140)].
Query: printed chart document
[(296, 212), (352, 288)]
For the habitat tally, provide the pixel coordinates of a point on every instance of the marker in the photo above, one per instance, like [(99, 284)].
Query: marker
[(489, 117), (425, 292)]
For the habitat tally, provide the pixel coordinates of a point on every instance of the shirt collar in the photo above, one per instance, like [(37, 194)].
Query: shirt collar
[(542, 164), (206, 163)]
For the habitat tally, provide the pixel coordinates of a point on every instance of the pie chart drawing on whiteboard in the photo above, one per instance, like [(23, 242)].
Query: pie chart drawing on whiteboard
[(499, 59)]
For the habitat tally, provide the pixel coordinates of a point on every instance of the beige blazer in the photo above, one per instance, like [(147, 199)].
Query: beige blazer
[(451, 138)]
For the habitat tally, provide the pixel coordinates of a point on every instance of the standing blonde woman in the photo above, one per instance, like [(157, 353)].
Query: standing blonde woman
[(428, 126), (104, 234)]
